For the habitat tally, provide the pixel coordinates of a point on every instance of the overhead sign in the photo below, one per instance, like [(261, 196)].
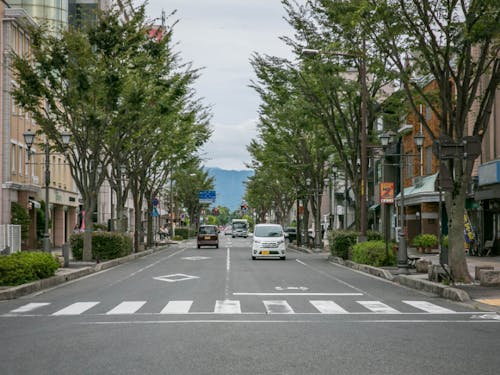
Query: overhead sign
[(387, 192), (206, 196)]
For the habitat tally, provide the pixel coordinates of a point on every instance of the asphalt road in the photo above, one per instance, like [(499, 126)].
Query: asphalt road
[(215, 311)]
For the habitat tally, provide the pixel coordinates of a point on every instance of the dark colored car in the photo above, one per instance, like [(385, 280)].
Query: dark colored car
[(291, 233), (208, 235)]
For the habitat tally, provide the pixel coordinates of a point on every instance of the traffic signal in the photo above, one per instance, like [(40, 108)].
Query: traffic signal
[(244, 207)]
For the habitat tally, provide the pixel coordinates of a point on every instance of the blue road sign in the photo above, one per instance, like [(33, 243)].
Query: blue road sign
[(206, 196)]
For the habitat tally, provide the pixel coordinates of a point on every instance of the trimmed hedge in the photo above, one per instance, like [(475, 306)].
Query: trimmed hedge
[(185, 233), (25, 267), (341, 241), (372, 253), (105, 245)]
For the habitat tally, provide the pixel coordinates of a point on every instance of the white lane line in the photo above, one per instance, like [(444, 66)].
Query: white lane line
[(331, 277), (126, 307), (328, 307), (278, 307), (228, 260), (76, 308), (428, 307), (378, 307), (177, 307), (297, 294), (227, 307), (29, 307)]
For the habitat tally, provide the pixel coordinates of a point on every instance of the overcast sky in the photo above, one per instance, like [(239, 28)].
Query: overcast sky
[(220, 36)]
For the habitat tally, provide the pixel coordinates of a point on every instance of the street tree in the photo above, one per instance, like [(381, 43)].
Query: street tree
[(455, 45), (68, 83)]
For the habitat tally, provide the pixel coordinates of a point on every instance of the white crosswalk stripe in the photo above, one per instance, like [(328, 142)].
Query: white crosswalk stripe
[(328, 307), (227, 307), (378, 307), (428, 307), (126, 307), (76, 308), (177, 307), (278, 307), (29, 307), (234, 307)]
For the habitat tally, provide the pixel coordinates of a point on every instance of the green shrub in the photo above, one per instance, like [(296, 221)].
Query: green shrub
[(372, 253), (105, 245), (20, 216), (373, 235), (25, 267), (341, 241), (425, 241), (444, 242), (185, 233)]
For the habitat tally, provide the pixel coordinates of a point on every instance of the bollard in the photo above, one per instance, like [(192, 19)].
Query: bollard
[(65, 250)]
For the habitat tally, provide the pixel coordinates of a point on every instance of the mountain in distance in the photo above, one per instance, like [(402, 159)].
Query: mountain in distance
[(229, 186)]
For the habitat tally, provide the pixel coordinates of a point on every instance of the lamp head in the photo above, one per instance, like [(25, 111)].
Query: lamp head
[(419, 139), (29, 138)]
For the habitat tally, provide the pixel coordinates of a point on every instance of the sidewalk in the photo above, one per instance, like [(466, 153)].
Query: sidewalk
[(487, 296), (75, 270), (482, 297)]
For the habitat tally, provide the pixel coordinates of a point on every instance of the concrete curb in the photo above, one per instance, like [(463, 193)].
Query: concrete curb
[(444, 291), (35, 286)]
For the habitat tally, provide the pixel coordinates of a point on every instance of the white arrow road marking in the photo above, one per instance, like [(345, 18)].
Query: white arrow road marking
[(76, 308), (177, 307), (378, 307), (126, 307), (176, 277), (328, 307), (428, 307), (29, 307), (227, 307), (278, 307)]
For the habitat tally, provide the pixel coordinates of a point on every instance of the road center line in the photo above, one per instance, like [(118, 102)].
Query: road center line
[(228, 269)]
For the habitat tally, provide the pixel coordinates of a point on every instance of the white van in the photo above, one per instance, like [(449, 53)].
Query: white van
[(268, 241)]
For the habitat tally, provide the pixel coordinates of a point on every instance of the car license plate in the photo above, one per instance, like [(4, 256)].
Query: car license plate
[(265, 252), (207, 237)]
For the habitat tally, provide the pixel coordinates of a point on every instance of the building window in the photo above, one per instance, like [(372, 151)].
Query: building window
[(21, 159), (428, 160), (13, 158), (409, 165)]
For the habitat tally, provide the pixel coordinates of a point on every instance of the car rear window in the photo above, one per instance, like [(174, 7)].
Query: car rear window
[(207, 230), (268, 231)]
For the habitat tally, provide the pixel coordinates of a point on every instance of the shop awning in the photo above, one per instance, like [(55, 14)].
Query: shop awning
[(422, 191), (35, 204)]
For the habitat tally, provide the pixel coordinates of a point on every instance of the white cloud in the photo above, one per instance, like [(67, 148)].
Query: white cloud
[(227, 147), (221, 36)]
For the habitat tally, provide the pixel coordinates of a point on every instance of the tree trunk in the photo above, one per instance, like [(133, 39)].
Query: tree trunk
[(456, 250), (87, 234)]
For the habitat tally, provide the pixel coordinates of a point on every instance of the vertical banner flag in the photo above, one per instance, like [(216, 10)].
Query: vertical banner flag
[(386, 192)]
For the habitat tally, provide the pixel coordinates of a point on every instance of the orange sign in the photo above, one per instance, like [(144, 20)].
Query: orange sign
[(387, 192)]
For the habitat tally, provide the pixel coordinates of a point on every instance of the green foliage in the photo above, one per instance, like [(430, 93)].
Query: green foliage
[(105, 245), (444, 242), (373, 235), (372, 253), (185, 233), (341, 241), (425, 241), (99, 227), (20, 216), (25, 267)]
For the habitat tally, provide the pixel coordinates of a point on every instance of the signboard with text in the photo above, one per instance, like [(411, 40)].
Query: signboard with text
[(206, 196), (387, 192)]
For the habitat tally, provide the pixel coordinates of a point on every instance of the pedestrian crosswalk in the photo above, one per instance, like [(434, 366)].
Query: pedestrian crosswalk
[(230, 307)]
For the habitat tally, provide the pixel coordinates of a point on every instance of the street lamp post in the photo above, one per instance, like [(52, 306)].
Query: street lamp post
[(29, 138), (402, 249)]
